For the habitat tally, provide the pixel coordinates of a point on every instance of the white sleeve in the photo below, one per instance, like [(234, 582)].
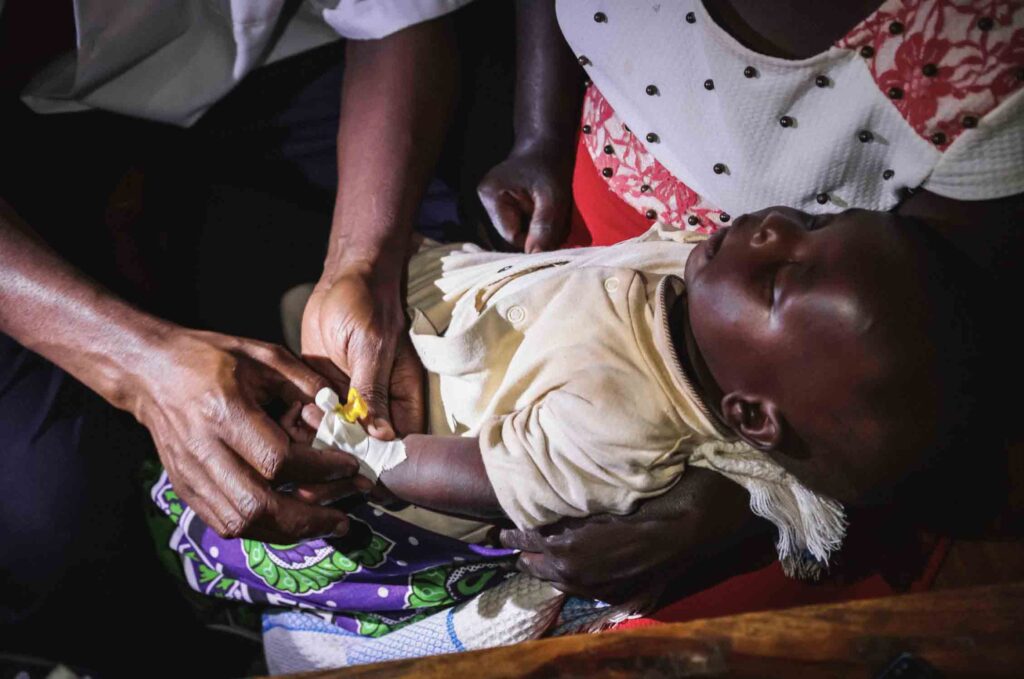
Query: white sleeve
[(985, 162), (566, 456), (373, 19)]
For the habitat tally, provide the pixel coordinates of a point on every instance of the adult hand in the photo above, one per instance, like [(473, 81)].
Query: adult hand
[(354, 326), (528, 197), (200, 396), (634, 558)]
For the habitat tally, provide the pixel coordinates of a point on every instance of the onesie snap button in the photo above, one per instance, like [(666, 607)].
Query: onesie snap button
[(611, 284), (515, 314)]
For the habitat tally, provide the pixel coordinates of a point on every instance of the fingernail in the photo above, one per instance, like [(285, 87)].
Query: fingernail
[(364, 484), (341, 530), (382, 429)]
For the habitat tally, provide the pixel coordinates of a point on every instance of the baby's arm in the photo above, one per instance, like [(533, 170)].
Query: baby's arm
[(446, 474), (443, 473)]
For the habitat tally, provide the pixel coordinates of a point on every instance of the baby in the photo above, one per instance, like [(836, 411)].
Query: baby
[(813, 359)]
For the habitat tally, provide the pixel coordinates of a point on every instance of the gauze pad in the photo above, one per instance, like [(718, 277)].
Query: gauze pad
[(374, 456)]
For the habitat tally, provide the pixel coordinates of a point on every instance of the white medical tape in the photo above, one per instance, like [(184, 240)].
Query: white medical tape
[(375, 456)]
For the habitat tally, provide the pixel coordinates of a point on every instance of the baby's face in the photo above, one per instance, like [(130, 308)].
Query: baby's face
[(787, 312)]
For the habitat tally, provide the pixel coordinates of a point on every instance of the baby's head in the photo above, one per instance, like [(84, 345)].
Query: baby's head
[(839, 344)]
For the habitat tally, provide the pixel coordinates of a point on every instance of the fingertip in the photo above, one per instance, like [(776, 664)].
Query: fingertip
[(380, 428), (341, 527)]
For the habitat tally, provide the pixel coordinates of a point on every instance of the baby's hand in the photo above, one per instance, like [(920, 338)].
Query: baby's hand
[(300, 429), (301, 423)]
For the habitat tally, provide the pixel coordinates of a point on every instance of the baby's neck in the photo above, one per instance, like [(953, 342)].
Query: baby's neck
[(685, 346)]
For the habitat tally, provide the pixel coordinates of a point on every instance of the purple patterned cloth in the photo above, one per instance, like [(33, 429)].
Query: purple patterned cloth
[(390, 574)]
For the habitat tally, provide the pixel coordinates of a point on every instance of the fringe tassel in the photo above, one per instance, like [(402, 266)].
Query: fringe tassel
[(810, 526)]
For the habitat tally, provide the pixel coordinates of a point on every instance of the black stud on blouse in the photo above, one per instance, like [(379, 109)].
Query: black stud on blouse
[(652, 138), (607, 172), (709, 84), (786, 121), (939, 138), (822, 81), (867, 51), (651, 90), (822, 198), (650, 214), (895, 92), (986, 23), (750, 72), (583, 61), (600, 17), (692, 220), (718, 168), (691, 18), (930, 70), (865, 136), (895, 28), (644, 188), (969, 121), (626, 128), (724, 216), (609, 149), (587, 129), (887, 175)]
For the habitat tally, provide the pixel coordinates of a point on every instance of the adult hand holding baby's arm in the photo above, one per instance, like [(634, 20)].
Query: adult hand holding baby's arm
[(354, 325), (200, 394), (698, 533)]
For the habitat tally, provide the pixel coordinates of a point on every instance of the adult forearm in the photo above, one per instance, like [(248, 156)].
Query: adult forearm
[(396, 101), (58, 312), (548, 79), (444, 473)]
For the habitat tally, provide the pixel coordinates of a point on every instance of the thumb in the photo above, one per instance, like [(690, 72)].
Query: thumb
[(507, 214), (371, 374), (546, 225)]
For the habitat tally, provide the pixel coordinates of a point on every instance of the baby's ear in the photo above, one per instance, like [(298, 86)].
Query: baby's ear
[(757, 420)]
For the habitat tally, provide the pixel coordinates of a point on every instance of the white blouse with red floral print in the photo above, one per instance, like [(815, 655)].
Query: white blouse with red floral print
[(697, 127)]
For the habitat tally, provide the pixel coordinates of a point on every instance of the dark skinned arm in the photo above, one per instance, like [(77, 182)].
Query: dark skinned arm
[(198, 393), (446, 474), (528, 196), (396, 100)]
